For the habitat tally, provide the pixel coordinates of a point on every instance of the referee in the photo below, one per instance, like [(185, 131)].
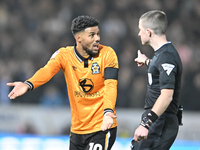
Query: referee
[(159, 125)]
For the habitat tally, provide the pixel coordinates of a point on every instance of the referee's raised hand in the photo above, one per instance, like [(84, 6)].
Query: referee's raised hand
[(140, 59), (19, 89)]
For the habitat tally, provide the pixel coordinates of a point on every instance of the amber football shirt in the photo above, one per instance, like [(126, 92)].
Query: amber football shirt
[(89, 93)]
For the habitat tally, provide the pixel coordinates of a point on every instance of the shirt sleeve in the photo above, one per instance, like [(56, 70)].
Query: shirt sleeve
[(111, 81), (44, 74), (168, 69)]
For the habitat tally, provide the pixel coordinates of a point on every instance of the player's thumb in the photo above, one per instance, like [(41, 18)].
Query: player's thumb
[(113, 116), (135, 59)]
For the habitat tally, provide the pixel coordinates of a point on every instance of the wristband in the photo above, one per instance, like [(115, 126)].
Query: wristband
[(144, 125), (152, 116), (146, 120), (145, 62)]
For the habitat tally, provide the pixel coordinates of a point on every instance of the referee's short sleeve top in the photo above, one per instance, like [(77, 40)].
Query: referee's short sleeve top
[(164, 72)]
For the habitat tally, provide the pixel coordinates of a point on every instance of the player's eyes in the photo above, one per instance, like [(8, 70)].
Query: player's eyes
[(92, 35)]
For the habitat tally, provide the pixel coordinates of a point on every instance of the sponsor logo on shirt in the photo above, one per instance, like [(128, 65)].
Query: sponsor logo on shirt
[(79, 94), (86, 85)]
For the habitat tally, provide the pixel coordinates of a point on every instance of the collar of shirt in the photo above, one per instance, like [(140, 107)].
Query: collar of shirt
[(163, 45), (80, 57)]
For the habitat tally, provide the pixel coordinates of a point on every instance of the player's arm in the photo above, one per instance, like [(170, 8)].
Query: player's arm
[(110, 96), (42, 76), (110, 92)]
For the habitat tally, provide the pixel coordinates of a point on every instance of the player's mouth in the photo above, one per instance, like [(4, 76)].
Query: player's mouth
[(96, 47)]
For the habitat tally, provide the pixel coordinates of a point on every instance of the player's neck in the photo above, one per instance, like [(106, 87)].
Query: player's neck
[(81, 51)]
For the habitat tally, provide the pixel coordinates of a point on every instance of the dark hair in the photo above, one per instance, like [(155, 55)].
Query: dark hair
[(82, 22)]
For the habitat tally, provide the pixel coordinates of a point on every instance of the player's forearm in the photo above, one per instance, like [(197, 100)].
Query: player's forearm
[(110, 94), (44, 74), (41, 77)]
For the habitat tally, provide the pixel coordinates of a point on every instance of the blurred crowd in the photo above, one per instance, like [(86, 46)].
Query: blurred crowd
[(32, 30)]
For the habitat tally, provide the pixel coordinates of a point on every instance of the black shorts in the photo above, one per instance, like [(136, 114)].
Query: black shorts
[(101, 140), (162, 133)]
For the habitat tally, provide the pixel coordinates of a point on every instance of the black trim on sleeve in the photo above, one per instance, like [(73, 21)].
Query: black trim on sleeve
[(111, 73), (31, 86), (108, 110)]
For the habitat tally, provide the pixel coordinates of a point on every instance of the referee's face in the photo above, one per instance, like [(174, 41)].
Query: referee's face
[(143, 33), (90, 40)]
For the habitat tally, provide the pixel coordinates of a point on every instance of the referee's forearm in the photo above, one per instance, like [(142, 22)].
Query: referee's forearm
[(163, 101)]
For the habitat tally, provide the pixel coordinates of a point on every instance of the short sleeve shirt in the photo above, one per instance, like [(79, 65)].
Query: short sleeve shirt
[(164, 72)]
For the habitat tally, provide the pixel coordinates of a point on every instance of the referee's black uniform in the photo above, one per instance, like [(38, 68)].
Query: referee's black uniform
[(164, 72)]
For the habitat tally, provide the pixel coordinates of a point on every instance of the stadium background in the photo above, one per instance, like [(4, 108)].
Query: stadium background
[(31, 30)]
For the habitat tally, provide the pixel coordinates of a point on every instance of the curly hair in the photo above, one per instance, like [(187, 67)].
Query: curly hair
[(82, 22)]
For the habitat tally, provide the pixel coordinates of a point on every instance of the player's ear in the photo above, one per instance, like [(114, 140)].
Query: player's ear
[(78, 37), (149, 32)]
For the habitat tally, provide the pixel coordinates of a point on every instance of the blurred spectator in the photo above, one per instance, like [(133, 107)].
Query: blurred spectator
[(31, 31), (27, 128), (52, 97), (4, 90)]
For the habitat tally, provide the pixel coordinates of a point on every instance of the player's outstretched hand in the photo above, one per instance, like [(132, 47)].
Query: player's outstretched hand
[(140, 59), (19, 89), (108, 121)]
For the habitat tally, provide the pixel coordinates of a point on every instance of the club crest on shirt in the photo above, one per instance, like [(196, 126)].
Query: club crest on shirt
[(168, 68), (95, 68)]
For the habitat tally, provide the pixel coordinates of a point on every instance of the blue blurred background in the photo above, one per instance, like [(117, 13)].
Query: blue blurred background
[(32, 30), (62, 143)]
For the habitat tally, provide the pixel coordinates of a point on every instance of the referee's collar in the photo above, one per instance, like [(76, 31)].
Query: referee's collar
[(80, 57), (163, 45)]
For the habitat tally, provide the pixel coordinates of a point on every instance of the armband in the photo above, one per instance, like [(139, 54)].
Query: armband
[(146, 61), (111, 73)]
